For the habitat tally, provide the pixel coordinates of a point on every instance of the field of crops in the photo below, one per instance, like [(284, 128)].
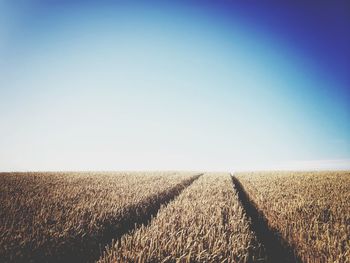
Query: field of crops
[(61, 216), (310, 210), (206, 223), (175, 217)]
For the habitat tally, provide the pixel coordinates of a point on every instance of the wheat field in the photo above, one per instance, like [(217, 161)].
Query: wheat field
[(175, 217), (205, 224), (61, 216), (310, 210)]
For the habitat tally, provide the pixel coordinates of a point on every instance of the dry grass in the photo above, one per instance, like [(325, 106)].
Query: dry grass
[(311, 210), (59, 216), (206, 223)]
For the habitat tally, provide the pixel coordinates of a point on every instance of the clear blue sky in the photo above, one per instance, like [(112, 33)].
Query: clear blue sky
[(191, 85)]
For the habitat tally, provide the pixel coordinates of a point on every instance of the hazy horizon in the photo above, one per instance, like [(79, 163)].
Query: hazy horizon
[(185, 85)]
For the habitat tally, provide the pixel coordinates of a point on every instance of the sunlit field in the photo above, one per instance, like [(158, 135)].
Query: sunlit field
[(175, 217), (310, 211)]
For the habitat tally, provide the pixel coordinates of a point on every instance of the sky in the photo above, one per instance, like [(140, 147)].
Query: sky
[(174, 85)]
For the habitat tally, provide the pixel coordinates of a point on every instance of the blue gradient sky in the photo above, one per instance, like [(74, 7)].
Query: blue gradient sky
[(199, 85)]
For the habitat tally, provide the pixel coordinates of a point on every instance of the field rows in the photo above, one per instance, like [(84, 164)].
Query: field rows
[(60, 216), (174, 217), (206, 223), (311, 211)]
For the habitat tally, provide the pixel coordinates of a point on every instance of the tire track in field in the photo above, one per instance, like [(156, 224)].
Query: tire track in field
[(139, 216), (90, 247), (277, 249)]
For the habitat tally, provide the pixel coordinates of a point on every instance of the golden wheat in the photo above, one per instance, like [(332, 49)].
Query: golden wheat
[(206, 223), (311, 210), (45, 216)]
